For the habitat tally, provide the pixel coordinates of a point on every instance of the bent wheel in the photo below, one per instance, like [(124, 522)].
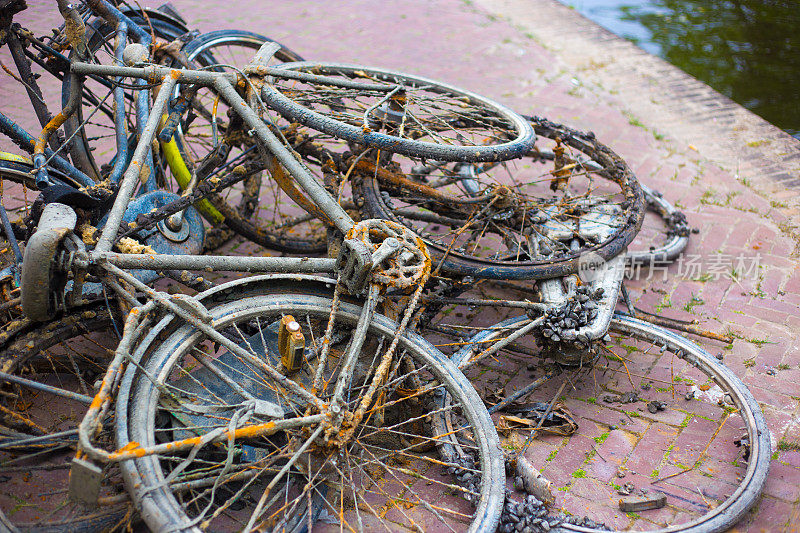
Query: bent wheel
[(668, 416), (188, 388)]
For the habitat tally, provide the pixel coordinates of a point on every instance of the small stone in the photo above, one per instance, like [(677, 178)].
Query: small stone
[(728, 399), (689, 395), (610, 398), (630, 397)]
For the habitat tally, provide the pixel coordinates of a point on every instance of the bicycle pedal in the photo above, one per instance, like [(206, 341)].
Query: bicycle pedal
[(291, 343), (84, 482)]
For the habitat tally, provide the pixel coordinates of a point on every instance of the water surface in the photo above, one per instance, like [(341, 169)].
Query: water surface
[(749, 50)]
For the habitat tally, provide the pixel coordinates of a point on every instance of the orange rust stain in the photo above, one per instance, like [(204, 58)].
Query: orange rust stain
[(254, 431), (134, 449), (98, 400), (130, 446), (51, 126)]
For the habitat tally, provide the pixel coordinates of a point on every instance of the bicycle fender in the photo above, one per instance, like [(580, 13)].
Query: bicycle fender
[(57, 221)]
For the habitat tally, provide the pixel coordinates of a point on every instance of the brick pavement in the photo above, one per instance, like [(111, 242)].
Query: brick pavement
[(734, 175)]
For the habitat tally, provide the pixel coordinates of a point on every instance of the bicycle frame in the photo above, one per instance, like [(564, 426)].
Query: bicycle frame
[(46, 147), (223, 84), (110, 266), (51, 145), (27, 142)]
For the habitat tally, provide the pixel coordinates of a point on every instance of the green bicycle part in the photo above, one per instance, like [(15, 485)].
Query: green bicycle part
[(7, 156), (182, 175)]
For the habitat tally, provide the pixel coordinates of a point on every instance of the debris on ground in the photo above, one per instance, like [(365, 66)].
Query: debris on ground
[(529, 479), (626, 489), (559, 421), (530, 516), (645, 502)]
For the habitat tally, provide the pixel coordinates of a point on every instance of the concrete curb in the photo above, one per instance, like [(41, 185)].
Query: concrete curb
[(674, 103)]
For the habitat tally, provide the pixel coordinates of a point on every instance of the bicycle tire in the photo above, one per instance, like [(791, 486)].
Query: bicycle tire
[(674, 234), (162, 508), (721, 382), (97, 137), (262, 213), (446, 128), (53, 353), (601, 192)]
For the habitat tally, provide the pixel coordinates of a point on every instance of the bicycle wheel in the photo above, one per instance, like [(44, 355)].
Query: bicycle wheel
[(664, 235), (673, 419), (189, 388), (22, 172), (258, 209), (531, 219), (399, 113), (38, 427), (93, 148)]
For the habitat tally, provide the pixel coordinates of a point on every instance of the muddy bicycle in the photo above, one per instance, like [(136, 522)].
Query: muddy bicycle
[(348, 407), (376, 254)]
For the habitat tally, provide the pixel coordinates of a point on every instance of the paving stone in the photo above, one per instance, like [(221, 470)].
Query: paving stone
[(648, 454), (692, 440), (772, 515)]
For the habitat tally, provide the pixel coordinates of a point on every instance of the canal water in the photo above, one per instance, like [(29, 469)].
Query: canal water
[(749, 50)]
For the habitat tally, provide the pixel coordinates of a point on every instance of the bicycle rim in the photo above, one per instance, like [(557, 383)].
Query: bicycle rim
[(528, 219), (378, 493), (404, 114), (709, 480)]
